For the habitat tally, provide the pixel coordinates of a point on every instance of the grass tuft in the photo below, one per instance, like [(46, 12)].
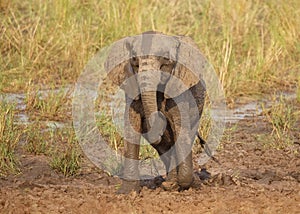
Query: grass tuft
[(109, 131), (66, 157), (50, 105), (10, 135), (36, 141), (283, 117)]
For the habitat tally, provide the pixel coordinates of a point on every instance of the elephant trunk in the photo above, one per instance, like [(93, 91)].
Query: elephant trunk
[(150, 106), (156, 122), (148, 79)]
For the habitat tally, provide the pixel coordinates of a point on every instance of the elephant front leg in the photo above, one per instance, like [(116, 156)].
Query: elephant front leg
[(183, 146), (170, 162), (132, 136)]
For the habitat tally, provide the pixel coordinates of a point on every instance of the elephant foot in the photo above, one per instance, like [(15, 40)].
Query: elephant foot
[(175, 185), (197, 182), (185, 177), (129, 186), (170, 184), (185, 182)]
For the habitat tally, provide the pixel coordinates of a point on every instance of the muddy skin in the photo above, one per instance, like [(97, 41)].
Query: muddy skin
[(163, 120), (179, 178)]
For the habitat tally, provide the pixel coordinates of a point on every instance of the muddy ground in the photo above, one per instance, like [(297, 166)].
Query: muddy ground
[(251, 178)]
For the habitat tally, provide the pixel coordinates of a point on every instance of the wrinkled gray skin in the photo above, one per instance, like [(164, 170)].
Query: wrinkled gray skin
[(160, 117)]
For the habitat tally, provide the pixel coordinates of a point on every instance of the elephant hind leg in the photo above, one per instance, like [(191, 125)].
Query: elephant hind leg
[(185, 177), (184, 142)]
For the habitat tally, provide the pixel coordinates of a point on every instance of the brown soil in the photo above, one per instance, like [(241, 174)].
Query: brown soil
[(251, 178)]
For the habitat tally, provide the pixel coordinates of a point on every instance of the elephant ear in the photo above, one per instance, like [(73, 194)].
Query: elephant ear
[(188, 69), (118, 67)]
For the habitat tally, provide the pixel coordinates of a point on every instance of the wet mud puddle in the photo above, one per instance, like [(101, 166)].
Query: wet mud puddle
[(243, 111), (19, 101), (249, 110)]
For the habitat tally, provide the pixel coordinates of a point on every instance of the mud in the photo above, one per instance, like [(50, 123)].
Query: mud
[(251, 178)]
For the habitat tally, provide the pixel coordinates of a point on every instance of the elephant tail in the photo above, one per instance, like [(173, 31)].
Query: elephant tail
[(206, 148)]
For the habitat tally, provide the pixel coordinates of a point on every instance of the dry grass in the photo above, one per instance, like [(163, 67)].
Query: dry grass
[(65, 155), (253, 45), (49, 105), (283, 117), (298, 90), (10, 135), (37, 140)]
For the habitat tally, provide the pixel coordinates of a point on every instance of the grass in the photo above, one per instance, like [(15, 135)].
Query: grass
[(250, 53), (109, 131), (282, 116), (112, 135), (298, 91), (66, 156), (59, 144), (45, 45), (51, 106), (37, 139), (10, 135)]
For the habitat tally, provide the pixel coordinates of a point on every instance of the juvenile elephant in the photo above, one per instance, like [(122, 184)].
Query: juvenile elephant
[(164, 102)]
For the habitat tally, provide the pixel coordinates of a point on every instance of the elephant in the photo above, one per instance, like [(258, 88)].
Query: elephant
[(166, 113)]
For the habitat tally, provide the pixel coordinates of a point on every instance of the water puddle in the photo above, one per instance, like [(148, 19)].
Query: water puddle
[(249, 110), (21, 117), (253, 109)]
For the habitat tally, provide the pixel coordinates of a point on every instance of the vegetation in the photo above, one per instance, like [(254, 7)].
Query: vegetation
[(51, 106), (283, 117), (298, 90), (10, 135), (66, 156), (243, 41), (109, 131), (37, 139), (254, 47)]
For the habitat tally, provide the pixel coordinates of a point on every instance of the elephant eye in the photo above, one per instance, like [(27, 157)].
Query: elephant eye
[(167, 61), (166, 58), (134, 61)]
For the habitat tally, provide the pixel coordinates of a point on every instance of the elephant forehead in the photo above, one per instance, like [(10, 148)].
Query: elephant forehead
[(158, 45)]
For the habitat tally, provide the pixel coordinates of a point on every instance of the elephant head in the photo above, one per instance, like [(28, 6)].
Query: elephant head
[(147, 63)]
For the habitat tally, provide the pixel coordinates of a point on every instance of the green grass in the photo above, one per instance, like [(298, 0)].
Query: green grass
[(60, 145), (282, 116), (66, 156), (112, 135), (37, 139), (10, 135), (51, 106), (109, 131)]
